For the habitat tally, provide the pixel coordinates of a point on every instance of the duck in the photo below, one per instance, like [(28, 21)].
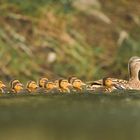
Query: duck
[(77, 84), (16, 86), (107, 86), (50, 87), (3, 88), (132, 83), (13, 81), (134, 69), (100, 82), (31, 86), (42, 81), (64, 86)]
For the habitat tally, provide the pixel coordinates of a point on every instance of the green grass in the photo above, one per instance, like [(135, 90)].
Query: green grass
[(82, 44), (71, 116)]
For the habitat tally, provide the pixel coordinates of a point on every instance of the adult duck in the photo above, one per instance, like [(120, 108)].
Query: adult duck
[(132, 83)]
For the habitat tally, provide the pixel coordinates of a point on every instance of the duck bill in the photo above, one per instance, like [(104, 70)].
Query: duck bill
[(21, 86), (3, 86), (69, 85), (83, 84), (36, 86), (55, 86)]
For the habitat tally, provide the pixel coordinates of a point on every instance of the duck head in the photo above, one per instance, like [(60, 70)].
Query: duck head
[(2, 85), (134, 68), (107, 82), (64, 85), (50, 85), (42, 82), (31, 86), (78, 84), (17, 87), (12, 82)]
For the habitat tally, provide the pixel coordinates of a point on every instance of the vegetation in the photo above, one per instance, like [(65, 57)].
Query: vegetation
[(52, 38)]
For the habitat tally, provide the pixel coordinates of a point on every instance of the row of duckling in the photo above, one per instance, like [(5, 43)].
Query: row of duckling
[(72, 84), (44, 86)]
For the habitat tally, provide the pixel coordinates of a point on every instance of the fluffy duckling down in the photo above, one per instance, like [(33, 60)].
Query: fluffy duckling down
[(78, 85), (16, 86), (2, 87), (31, 86), (42, 82), (107, 85), (64, 85)]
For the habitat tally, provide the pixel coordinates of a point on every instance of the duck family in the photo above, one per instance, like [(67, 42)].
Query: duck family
[(133, 82), (73, 84)]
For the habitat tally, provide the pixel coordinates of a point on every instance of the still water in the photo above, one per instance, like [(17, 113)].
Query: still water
[(95, 116)]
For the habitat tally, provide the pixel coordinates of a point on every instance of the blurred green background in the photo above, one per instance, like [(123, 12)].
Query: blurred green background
[(57, 38)]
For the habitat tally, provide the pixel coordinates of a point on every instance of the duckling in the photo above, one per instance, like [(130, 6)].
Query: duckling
[(13, 81), (64, 85), (77, 84), (3, 88), (51, 87), (106, 86), (2, 85), (100, 82), (42, 82), (16, 87), (31, 86), (109, 86)]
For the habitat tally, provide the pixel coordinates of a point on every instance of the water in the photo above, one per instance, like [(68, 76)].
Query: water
[(97, 116)]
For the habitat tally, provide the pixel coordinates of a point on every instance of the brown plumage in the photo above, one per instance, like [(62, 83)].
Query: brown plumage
[(132, 83), (51, 87), (3, 88), (107, 85), (31, 86), (78, 85), (16, 86), (64, 85), (42, 81), (12, 82), (134, 69)]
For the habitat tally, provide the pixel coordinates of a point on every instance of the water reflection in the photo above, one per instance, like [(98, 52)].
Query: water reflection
[(71, 117)]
